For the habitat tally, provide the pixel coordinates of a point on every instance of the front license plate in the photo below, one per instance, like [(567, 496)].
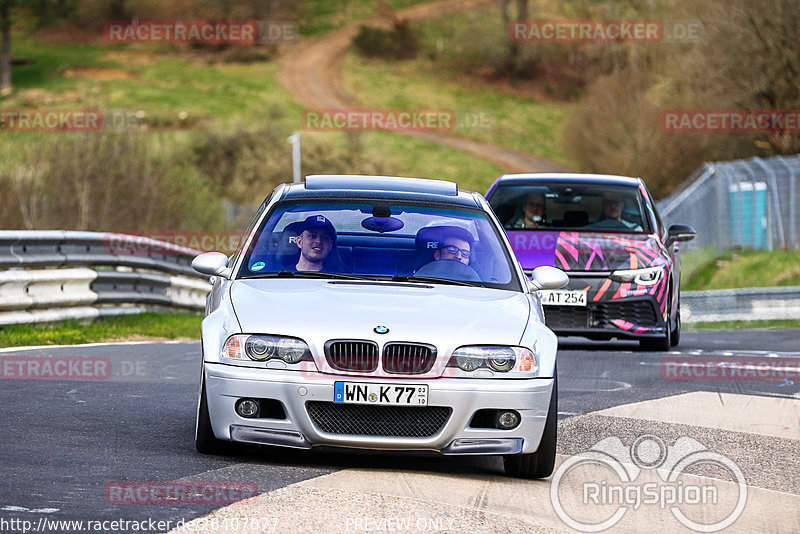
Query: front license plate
[(563, 298), (380, 394)]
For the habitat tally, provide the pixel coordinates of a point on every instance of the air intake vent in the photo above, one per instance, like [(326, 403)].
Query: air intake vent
[(408, 358), (365, 420), (352, 355)]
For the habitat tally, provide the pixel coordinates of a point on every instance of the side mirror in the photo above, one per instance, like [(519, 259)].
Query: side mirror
[(211, 263), (679, 232), (545, 277)]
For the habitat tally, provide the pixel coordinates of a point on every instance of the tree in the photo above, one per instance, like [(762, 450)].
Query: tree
[(517, 65), (5, 47), (749, 60)]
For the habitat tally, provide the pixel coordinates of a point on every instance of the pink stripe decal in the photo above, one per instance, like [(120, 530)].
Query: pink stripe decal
[(571, 250), (597, 251), (624, 325), (622, 292), (602, 289), (562, 260)]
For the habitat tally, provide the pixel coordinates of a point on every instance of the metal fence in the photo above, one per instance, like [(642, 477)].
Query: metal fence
[(55, 275), (744, 203)]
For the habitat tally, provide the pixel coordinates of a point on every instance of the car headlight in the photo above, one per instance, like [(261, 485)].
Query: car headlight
[(499, 359), (643, 277), (257, 348)]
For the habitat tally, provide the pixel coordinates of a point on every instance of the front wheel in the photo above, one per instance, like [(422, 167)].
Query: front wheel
[(676, 332), (538, 464), (661, 343), (657, 344)]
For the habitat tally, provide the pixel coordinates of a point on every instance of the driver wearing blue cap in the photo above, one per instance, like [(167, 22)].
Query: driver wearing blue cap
[(315, 241)]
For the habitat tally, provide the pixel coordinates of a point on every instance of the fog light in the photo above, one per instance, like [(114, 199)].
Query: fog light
[(508, 420), (247, 408)]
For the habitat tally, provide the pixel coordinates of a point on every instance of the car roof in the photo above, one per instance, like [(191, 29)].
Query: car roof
[(572, 178), (392, 188)]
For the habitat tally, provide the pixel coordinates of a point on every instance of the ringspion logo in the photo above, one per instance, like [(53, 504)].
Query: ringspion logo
[(594, 490)]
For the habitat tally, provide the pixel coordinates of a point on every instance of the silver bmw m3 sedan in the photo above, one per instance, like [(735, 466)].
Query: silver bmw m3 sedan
[(379, 313)]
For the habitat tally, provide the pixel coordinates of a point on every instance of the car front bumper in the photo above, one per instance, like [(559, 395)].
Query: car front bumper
[(225, 384), (627, 318)]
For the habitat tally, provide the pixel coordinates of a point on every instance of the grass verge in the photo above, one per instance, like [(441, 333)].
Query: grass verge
[(510, 121), (736, 269), (146, 326), (318, 17), (776, 324)]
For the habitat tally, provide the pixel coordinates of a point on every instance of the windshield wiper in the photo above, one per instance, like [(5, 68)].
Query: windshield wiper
[(432, 279), (318, 274)]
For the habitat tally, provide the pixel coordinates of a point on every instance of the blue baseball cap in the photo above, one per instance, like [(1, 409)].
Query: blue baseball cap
[(317, 221)]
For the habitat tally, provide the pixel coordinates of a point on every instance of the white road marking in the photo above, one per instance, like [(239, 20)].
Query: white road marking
[(12, 508)]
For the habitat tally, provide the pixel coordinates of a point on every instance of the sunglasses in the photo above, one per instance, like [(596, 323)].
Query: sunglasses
[(455, 250)]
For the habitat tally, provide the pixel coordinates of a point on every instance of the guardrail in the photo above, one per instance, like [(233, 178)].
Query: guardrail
[(746, 304), (57, 275)]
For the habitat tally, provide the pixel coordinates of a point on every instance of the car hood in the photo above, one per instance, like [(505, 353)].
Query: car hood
[(585, 251), (319, 310)]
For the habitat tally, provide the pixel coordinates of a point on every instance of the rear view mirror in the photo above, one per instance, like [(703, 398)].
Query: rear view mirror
[(679, 232), (211, 263), (545, 277)]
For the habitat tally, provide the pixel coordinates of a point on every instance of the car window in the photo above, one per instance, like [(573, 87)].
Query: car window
[(567, 206), (381, 241)]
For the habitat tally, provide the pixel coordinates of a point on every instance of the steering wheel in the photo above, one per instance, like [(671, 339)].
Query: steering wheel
[(608, 224), (452, 269)]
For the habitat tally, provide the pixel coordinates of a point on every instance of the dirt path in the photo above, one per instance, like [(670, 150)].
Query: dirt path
[(311, 73)]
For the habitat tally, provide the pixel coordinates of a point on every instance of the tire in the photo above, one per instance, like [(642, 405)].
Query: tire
[(676, 332), (662, 343), (204, 439), (538, 464), (658, 344)]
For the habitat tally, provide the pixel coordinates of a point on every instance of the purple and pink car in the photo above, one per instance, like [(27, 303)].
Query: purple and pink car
[(605, 232)]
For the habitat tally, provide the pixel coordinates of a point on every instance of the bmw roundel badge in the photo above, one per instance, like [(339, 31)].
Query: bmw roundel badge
[(381, 330)]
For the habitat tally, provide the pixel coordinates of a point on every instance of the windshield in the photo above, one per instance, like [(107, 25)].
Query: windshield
[(379, 241), (567, 206)]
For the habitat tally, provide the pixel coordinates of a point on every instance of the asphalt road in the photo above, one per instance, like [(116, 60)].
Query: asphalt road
[(65, 442)]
